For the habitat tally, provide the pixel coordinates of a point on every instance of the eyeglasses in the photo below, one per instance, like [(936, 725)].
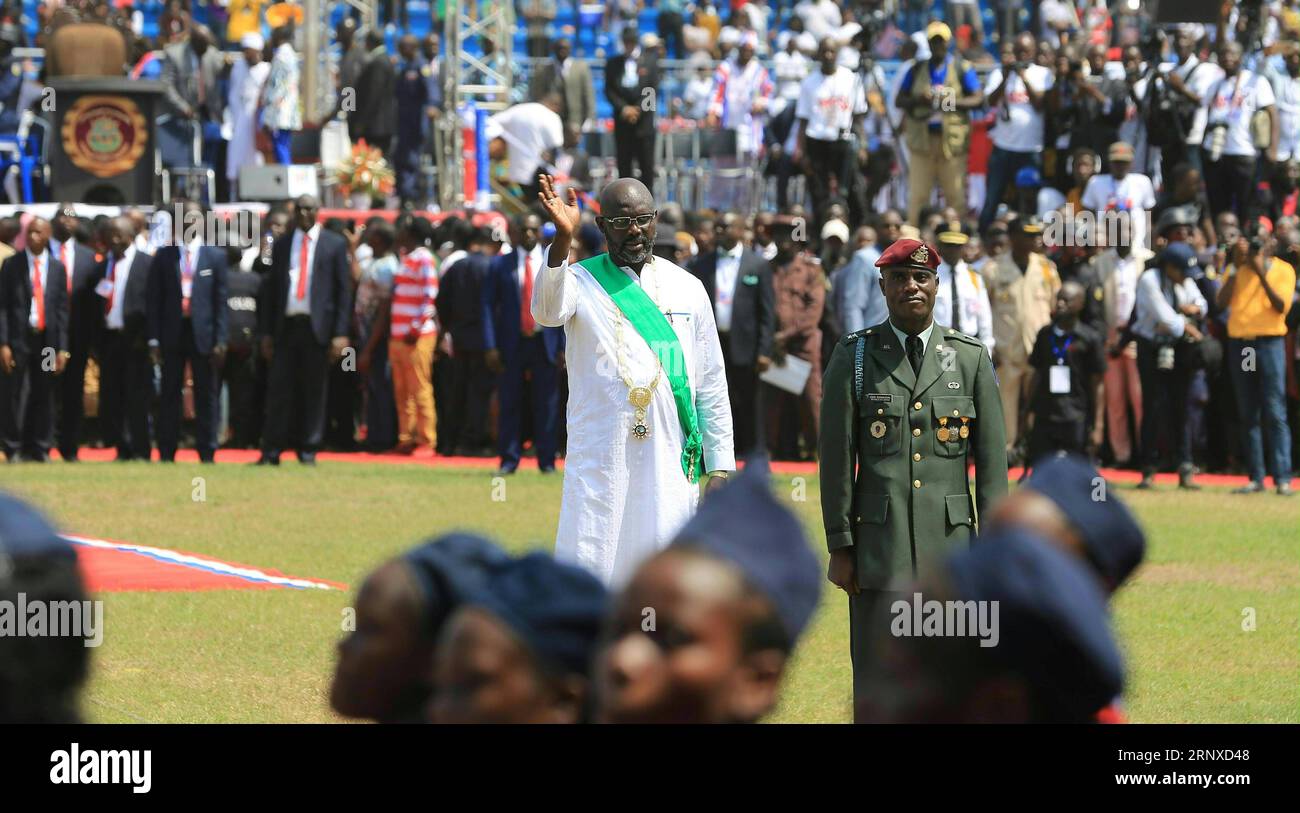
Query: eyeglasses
[(623, 223)]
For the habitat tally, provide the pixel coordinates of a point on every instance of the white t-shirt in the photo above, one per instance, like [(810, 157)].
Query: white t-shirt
[(828, 103), (1022, 131), (529, 129), (820, 17), (1133, 194), (1234, 100)]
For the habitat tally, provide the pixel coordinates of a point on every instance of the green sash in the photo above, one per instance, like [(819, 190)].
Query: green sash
[(650, 322)]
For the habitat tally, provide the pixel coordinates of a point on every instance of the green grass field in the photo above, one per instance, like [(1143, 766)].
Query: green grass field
[(266, 655)]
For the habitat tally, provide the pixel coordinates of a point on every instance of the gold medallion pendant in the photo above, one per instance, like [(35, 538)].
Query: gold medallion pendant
[(878, 429), (639, 397), (964, 432), (944, 432), (640, 430)]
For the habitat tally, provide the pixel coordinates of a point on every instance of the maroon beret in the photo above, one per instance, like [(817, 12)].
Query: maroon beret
[(911, 254)]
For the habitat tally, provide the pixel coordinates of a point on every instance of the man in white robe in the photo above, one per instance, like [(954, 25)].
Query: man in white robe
[(246, 78), (626, 496)]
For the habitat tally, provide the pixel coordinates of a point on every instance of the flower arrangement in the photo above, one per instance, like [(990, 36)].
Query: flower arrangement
[(365, 172)]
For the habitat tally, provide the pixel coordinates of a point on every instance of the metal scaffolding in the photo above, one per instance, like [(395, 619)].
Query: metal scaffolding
[(470, 80)]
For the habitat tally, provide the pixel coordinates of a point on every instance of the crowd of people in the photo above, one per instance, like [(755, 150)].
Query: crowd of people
[(1180, 322)]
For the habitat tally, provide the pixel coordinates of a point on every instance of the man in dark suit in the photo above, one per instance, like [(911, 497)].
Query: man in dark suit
[(739, 284), (516, 345), (191, 78), (188, 323), (304, 329), (632, 86), (121, 294), (571, 78), (33, 345), (412, 95), (375, 117), (78, 261), (460, 312)]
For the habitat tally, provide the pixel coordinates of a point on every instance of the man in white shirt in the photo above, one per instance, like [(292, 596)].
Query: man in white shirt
[(831, 101), (121, 288), (971, 314), (648, 406), (1016, 92), (1286, 92), (525, 134), (1121, 197), (1230, 153), (1193, 79), (1167, 310)]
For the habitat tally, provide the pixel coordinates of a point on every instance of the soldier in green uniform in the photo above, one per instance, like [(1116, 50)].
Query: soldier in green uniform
[(907, 406)]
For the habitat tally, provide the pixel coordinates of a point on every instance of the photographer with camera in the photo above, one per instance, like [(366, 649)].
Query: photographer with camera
[(937, 97), (1235, 135), (1257, 293), (1190, 81), (1017, 90), (1286, 92), (1167, 314), (1085, 110)]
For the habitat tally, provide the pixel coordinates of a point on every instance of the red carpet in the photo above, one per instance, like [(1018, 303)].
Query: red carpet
[(243, 456), (113, 567)]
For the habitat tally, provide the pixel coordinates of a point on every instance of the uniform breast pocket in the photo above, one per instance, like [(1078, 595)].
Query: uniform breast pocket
[(882, 424), (954, 422)]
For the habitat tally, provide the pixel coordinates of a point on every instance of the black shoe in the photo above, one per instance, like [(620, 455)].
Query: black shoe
[(266, 461), (1148, 482), (1253, 487), (505, 471), (546, 469), (207, 461), (307, 458), (1185, 479)]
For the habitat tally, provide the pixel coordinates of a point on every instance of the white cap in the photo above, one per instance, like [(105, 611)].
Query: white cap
[(922, 46), (836, 228), (807, 42), (253, 41)]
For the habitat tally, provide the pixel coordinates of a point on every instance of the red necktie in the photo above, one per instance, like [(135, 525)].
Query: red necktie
[(187, 277), (66, 250), (303, 269), (111, 276), (525, 306), (38, 293)]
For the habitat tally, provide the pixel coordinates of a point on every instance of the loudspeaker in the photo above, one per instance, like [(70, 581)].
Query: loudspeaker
[(277, 181), (102, 142)]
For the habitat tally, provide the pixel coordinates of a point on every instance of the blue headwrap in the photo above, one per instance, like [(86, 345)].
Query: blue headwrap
[(744, 524), (555, 609)]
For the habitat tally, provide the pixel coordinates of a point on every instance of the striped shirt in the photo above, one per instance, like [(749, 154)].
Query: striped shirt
[(415, 289)]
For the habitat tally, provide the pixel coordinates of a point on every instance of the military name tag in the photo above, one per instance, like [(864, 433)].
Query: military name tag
[(879, 397), (878, 429)]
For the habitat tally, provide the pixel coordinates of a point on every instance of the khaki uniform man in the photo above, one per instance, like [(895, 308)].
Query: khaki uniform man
[(937, 97), (1022, 287), (909, 404)]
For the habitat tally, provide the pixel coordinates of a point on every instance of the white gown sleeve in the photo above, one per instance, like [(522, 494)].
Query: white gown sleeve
[(712, 404), (555, 300)]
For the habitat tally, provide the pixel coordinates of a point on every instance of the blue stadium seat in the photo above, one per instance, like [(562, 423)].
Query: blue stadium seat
[(419, 20)]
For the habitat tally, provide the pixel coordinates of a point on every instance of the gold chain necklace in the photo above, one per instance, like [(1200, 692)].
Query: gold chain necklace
[(638, 397)]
